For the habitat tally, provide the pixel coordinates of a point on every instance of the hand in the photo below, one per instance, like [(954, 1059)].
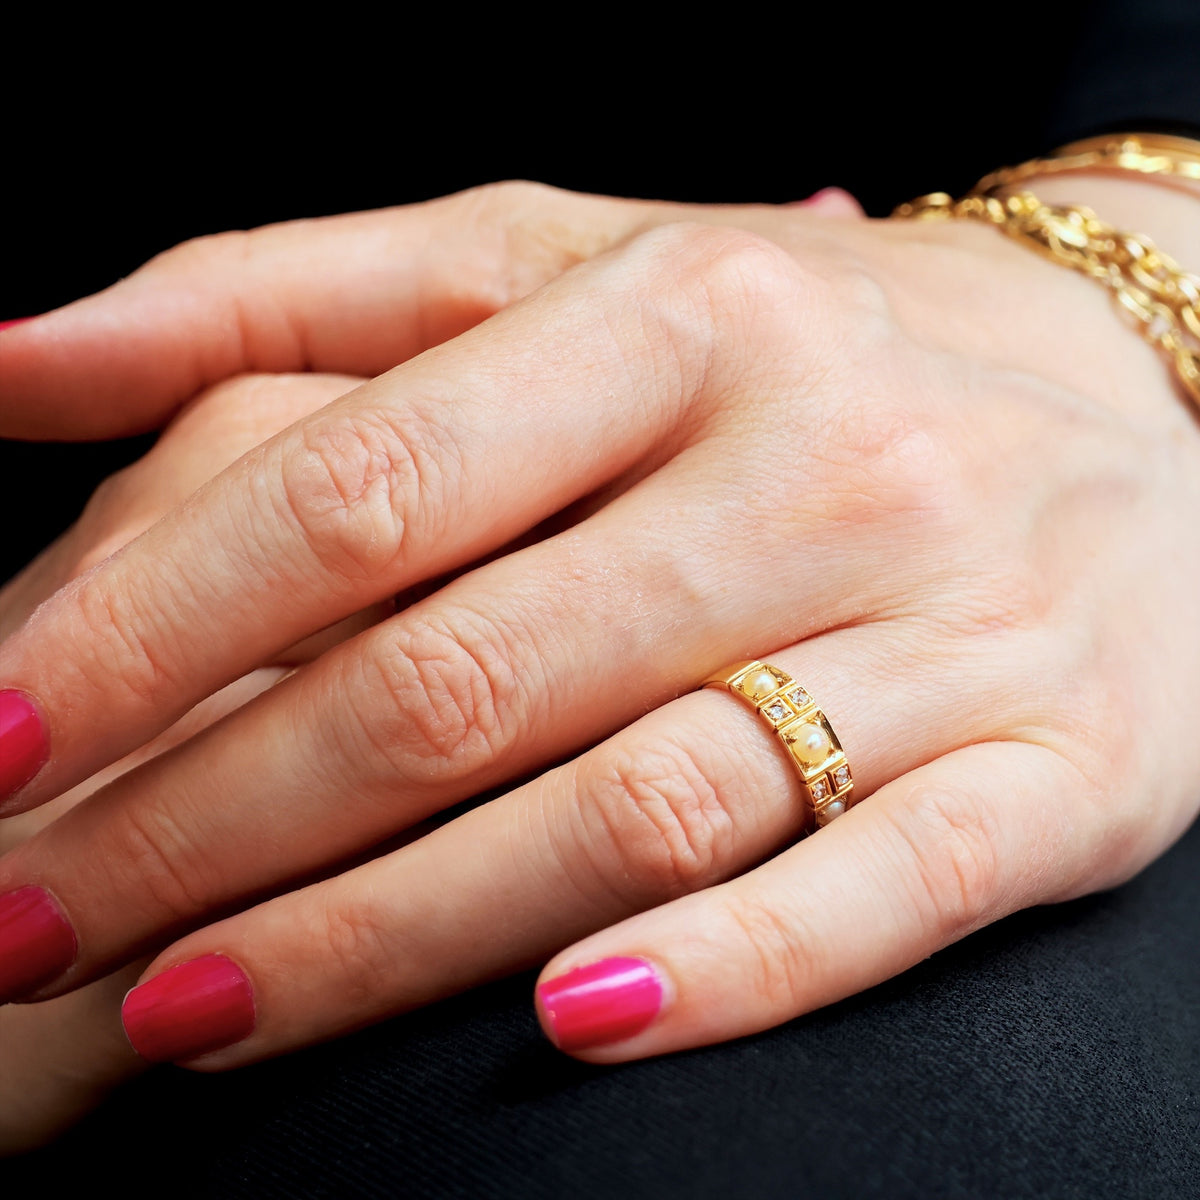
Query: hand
[(850, 448), (58, 1059)]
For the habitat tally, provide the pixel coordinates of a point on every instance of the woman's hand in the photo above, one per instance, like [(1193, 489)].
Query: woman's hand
[(919, 469)]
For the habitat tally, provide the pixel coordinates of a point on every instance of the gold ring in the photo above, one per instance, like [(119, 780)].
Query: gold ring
[(793, 716)]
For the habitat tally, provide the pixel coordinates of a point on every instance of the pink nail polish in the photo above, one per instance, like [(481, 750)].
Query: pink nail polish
[(817, 197), (831, 202), (24, 743), (37, 943), (604, 1002), (190, 1010)]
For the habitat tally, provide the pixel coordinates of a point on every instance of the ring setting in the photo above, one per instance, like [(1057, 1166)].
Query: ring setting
[(803, 729)]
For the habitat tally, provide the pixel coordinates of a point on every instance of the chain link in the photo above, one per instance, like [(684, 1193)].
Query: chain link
[(1162, 298)]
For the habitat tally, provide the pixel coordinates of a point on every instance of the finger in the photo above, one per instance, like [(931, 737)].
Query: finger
[(20, 829), (931, 857), (212, 432), (60, 1059), (36, 941), (686, 797), (406, 478), (351, 294)]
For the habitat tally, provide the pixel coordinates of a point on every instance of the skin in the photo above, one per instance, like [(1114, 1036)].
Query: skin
[(58, 1059), (919, 468)]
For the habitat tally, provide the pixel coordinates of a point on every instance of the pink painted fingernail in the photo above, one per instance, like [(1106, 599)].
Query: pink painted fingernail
[(817, 197), (832, 202), (190, 1010), (604, 1002), (37, 943), (15, 321), (24, 743)]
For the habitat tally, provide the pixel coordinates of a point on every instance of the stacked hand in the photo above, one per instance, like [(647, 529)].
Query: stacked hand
[(923, 472)]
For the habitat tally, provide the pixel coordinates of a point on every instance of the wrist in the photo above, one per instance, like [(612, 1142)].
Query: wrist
[(1123, 210)]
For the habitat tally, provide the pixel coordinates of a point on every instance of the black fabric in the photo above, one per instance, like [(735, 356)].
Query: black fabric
[(1134, 66), (1056, 1054)]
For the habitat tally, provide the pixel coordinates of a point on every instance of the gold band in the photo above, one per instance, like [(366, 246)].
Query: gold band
[(1142, 153), (1162, 298), (792, 714)]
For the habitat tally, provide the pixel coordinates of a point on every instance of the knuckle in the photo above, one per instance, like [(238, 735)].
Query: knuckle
[(159, 868), (653, 820), (121, 648), (452, 701), (730, 275), (745, 270), (497, 203), (268, 336), (778, 961), (356, 485), (712, 297), (530, 233), (950, 848), (360, 947), (229, 245)]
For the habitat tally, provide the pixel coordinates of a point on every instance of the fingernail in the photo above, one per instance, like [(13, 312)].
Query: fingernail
[(832, 202), (190, 1010), (37, 943), (817, 197), (24, 743), (604, 1002), (15, 321)]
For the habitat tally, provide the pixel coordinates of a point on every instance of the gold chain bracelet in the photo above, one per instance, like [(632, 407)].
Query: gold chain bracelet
[(1160, 295)]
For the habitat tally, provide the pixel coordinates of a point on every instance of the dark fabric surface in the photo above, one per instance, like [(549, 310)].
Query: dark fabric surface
[(1056, 1054), (1131, 66)]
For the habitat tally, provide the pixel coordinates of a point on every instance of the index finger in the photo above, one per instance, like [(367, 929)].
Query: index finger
[(428, 468), (353, 294)]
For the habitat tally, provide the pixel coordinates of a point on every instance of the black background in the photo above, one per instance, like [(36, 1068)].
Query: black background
[(1053, 1055), (110, 156)]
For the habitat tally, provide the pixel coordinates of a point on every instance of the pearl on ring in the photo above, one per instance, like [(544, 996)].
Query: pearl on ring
[(811, 744), (759, 683), (827, 814)]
